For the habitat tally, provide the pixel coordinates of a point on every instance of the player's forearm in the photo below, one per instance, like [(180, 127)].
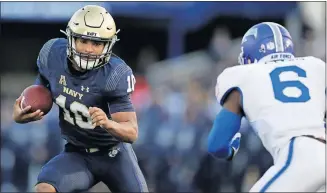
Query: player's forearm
[(224, 128), (125, 131), (224, 152)]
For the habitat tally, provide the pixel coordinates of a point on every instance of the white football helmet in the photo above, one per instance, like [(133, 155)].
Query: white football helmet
[(94, 23)]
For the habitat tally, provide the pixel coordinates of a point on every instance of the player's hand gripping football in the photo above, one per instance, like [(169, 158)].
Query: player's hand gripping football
[(99, 118), (23, 115)]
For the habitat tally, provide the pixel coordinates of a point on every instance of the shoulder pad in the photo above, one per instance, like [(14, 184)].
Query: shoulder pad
[(229, 80), (42, 60), (318, 61), (116, 72)]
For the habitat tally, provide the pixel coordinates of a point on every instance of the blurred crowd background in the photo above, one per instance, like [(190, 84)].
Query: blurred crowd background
[(176, 50)]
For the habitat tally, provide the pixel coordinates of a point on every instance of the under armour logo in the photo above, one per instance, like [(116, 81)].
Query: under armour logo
[(114, 152), (83, 88)]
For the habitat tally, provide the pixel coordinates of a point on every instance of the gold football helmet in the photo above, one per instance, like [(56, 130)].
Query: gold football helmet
[(94, 23)]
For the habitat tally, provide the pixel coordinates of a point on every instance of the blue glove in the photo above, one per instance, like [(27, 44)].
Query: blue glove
[(234, 145)]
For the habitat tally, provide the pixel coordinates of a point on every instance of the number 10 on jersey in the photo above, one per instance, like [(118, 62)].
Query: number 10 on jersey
[(131, 83), (78, 110)]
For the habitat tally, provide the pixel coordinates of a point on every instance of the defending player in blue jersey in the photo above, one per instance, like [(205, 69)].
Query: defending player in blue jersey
[(92, 87), (283, 98)]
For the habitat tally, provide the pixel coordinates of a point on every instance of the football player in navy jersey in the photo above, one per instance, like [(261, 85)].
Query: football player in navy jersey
[(92, 87)]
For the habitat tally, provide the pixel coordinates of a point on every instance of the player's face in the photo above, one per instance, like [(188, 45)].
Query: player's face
[(85, 46)]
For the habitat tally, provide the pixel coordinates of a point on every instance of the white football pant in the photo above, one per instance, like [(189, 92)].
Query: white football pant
[(299, 167)]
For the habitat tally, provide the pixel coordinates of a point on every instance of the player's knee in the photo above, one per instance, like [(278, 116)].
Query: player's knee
[(44, 187)]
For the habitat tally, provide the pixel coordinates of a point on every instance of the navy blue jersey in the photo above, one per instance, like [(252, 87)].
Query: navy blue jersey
[(107, 87)]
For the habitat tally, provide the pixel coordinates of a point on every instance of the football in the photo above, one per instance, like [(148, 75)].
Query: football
[(38, 97)]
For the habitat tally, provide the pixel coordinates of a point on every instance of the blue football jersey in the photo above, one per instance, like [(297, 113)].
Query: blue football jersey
[(107, 87)]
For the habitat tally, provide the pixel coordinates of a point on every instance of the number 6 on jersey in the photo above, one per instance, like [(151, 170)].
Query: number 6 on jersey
[(279, 86)]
